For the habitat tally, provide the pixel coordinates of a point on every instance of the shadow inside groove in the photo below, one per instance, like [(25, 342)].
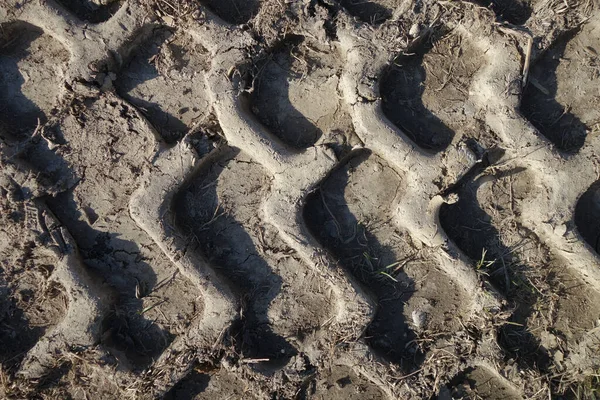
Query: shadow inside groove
[(402, 87), (367, 11), (587, 216), (17, 336), (125, 328), (89, 11), (138, 70), (471, 229), (212, 228), (234, 11), (540, 107), (330, 220), (516, 12), (189, 387), (272, 101), (18, 113)]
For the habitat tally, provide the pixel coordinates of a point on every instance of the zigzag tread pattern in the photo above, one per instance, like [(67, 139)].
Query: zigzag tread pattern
[(311, 199)]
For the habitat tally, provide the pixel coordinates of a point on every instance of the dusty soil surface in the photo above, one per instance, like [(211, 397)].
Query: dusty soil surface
[(317, 199)]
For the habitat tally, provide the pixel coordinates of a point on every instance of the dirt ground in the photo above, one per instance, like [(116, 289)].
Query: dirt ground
[(311, 199)]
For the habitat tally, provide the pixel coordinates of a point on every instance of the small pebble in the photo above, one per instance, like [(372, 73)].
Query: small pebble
[(419, 318), (414, 30)]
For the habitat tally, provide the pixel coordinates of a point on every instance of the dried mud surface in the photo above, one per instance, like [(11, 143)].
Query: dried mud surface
[(318, 199)]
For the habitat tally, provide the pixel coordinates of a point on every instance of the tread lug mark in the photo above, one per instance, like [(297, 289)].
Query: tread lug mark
[(480, 239), (81, 323), (290, 185), (94, 53), (32, 67), (350, 215), (95, 210), (165, 63), (517, 262), (426, 92), (32, 304), (219, 209), (308, 110), (418, 212), (151, 207), (353, 307)]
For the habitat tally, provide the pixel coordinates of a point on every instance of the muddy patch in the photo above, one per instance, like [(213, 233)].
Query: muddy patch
[(282, 301), (32, 68), (234, 11), (165, 81), (425, 92), (351, 215), (92, 11), (295, 93), (564, 89), (542, 291)]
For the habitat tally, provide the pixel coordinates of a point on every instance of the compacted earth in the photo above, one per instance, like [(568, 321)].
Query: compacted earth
[(308, 199)]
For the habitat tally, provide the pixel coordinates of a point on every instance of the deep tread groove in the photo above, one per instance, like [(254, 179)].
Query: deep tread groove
[(587, 216), (540, 106), (478, 237), (234, 11), (298, 199), (516, 12), (410, 93), (223, 219), (28, 94), (90, 11), (371, 12), (361, 252)]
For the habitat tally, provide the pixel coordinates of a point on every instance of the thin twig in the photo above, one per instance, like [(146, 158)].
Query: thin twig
[(527, 60)]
